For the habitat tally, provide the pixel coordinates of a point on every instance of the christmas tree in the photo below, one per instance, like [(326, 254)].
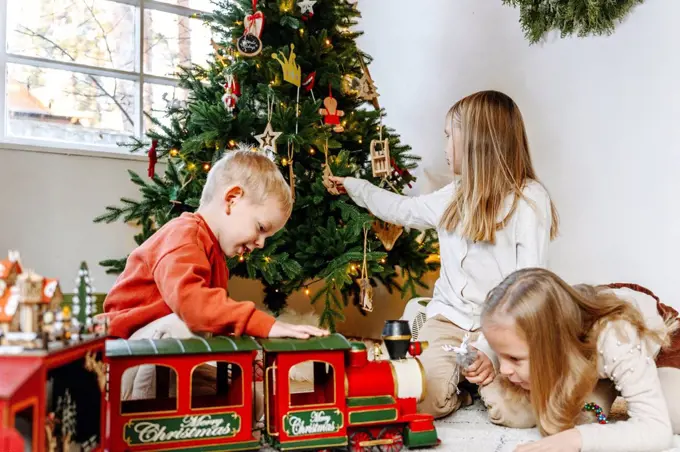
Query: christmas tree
[(84, 305), (288, 77)]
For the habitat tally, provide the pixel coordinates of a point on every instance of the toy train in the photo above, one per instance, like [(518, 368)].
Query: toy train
[(350, 403)]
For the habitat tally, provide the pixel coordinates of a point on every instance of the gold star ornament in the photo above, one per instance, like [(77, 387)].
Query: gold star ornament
[(267, 139)]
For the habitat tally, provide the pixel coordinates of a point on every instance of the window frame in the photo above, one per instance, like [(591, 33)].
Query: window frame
[(137, 76)]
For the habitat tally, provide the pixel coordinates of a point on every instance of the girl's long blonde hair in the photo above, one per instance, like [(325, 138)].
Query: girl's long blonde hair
[(495, 164), (561, 324)]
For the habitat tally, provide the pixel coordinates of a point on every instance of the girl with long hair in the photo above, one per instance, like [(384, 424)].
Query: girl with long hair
[(496, 217), (572, 350)]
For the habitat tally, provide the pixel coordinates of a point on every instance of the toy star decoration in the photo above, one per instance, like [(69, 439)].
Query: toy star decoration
[(267, 139), (306, 6)]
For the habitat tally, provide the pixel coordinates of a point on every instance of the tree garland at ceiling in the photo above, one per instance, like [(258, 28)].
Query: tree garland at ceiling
[(580, 17)]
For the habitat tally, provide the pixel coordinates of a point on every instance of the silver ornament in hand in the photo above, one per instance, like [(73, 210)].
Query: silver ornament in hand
[(464, 354)]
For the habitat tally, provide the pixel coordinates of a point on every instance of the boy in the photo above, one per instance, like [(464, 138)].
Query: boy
[(175, 282)]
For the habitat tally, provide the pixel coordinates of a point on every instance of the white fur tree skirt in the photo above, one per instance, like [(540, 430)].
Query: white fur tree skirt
[(469, 430)]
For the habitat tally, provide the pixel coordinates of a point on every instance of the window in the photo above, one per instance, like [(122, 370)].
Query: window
[(148, 389), (82, 73), (311, 383), (217, 384)]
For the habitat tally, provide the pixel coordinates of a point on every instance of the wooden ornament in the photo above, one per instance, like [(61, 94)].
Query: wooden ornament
[(365, 294), (380, 157), (331, 114), (267, 139), (328, 183), (249, 45), (387, 233), (367, 89)]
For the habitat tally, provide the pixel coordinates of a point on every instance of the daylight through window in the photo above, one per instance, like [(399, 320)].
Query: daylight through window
[(82, 73)]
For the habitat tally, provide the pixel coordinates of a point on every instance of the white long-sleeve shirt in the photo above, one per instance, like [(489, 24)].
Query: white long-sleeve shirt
[(629, 363), (469, 270)]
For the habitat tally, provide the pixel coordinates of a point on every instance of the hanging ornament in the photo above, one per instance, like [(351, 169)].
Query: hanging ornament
[(291, 173), (306, 8), (380, 155), (327, 174), (387, 233), (153, 158), (291, 70), (267, 139), (350, 84), (367, 89), (365, 289), (249, 44), (232, 91), (218, 56), (402, 173), (308, 82), (331, 114)]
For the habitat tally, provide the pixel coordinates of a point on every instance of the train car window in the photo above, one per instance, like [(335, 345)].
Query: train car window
[(23, 423), (217, 384), (148, 389), (312, 383)]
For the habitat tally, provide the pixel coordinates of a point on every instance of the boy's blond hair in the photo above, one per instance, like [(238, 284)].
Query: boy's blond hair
[(259, 177)]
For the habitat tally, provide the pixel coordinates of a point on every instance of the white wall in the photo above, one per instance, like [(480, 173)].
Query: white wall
[(602, 116)]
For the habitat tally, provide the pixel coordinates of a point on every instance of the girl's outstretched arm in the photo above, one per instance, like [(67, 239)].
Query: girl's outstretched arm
[(625, 360), (418, 212)]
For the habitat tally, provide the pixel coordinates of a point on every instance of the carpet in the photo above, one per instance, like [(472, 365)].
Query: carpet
[(469, 430)]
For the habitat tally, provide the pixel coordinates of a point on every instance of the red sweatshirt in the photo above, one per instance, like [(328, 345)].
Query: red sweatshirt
[(181, 269)]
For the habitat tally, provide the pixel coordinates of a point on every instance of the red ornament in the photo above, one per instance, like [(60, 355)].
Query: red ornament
[(416, 348), (153, 158), (401, 172), (308, 82), (232, 92)]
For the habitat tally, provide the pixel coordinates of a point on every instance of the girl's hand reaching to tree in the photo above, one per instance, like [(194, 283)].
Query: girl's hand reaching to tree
[(339, 183)]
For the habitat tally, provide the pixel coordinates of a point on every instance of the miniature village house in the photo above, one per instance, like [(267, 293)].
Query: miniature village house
[(25, 297)]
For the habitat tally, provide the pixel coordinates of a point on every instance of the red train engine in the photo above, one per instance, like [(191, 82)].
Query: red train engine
[(349, 400)]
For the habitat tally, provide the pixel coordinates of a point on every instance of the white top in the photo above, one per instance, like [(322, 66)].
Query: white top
[(469, 270), (629, 363)]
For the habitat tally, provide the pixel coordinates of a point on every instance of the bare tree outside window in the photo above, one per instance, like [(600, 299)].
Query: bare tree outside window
[(67, 103)]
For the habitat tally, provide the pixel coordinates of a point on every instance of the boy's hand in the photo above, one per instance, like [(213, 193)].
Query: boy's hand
[(339, 183), (481, 371), (283, 329)]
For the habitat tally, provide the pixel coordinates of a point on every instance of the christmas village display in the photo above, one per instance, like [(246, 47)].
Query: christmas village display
[(51, 374)]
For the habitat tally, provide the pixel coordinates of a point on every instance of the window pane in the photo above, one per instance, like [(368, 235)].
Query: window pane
[(156, 392), (93, 32), (203, 5), (217, 384), (172, 40), (69, 106), (158, 99)]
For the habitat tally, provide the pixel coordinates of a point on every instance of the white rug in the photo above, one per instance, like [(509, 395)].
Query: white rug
[(468, 430)]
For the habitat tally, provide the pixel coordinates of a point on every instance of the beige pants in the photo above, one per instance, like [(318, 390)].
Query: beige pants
[(140, 382), (442, 397)]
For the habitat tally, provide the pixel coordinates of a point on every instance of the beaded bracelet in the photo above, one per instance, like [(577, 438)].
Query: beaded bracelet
[(601, 417)]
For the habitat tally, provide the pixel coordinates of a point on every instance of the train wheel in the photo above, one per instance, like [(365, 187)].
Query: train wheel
[(395, 435), (358, 437)]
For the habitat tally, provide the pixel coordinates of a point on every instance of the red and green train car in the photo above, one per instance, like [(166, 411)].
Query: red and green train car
[(347, 402)]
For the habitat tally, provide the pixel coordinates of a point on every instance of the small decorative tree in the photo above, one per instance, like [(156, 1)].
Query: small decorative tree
[(84, 301)]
